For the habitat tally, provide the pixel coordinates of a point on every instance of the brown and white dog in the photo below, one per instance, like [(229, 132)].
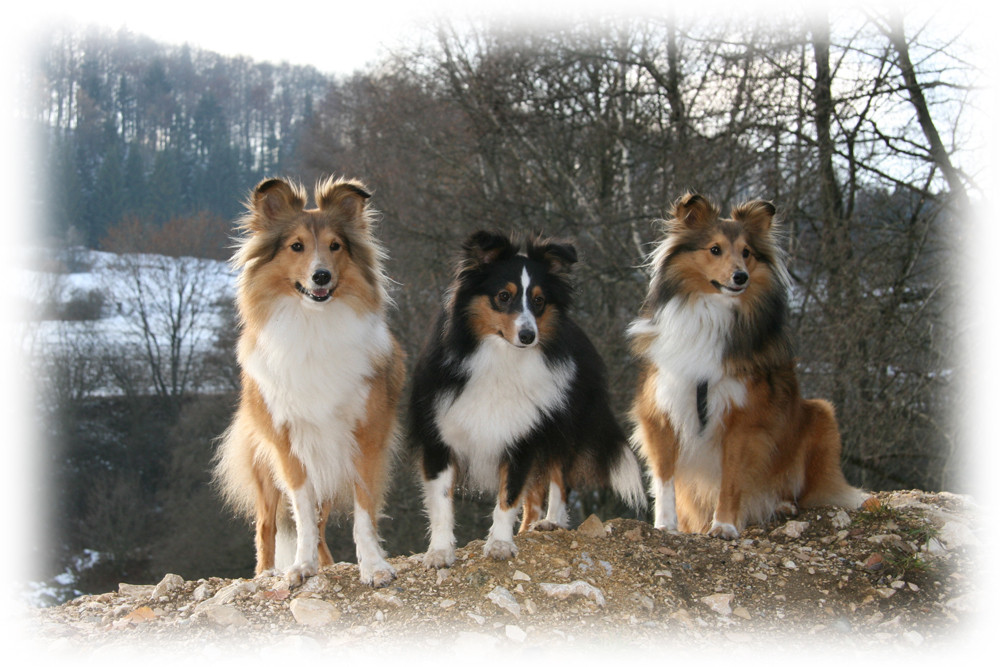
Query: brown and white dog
[(727, 438), (321, 373)]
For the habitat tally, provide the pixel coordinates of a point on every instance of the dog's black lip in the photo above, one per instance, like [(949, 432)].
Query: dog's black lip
[(317, 299), (726, 288)]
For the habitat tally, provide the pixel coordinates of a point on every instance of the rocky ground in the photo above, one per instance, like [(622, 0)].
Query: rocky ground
[(898, 574)]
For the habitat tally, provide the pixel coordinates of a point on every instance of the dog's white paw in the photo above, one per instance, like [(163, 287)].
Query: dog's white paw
[(299, 572), (546, 525), (273, 572), (499, 549), (438, 558), (726, 531), (377, 574), (786, 508)]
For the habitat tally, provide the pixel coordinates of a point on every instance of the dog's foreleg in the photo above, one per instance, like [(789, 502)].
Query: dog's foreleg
[(306, 515), (438, 499)]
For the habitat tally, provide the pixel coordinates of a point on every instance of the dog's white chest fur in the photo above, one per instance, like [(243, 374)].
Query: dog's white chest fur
[(312, 365), (688, 342), (508, 393)]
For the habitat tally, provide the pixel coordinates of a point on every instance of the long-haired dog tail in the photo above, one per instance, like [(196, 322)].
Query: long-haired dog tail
[(627, 480)]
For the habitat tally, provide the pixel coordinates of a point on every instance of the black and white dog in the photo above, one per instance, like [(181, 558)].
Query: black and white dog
[(511, 396)]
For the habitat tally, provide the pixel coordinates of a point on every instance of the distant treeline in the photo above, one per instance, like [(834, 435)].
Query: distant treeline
[(132, 128)]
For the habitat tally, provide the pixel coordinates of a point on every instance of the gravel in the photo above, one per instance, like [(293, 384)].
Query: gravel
[(898, 575)]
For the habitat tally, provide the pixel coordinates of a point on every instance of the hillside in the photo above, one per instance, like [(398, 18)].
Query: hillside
[(898, 575)]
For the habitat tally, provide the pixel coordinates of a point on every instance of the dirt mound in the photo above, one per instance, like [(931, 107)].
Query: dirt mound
[(896, 574)]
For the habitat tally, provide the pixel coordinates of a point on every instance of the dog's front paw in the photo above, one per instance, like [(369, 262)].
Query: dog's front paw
[(499, 549), (439, 558), (299, 572), (726, 531), (786, 508), (378, 574), (546, 525)]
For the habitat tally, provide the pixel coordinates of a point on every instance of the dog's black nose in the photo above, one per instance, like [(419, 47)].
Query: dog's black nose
[(526, 336), (741, 277), (321, 277)]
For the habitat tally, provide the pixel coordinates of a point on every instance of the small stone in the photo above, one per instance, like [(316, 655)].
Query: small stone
[(504, 599), (136, 590), (840, 520), (168, 583), (664, 573), (793, 529), (578, 587), (875, 562), (200, 593), (444, 604), (591, 527), (515, 633), (956, 535), (790, 565), (313, 611), (226, 615), (476, 617), (227, 594), (521, 576), (719, 603), (742, 612), (886, 593), (634, 535), (759, 575)]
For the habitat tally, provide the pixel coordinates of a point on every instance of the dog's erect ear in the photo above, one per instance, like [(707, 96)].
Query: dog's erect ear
[(559, 256), (482, 248), (274, 199), (692, 210), (347, 198), (757, 214)]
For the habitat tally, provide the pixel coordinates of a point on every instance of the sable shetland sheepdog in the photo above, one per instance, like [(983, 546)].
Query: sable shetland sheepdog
[(321, 375), (718, 414), (510, 393)]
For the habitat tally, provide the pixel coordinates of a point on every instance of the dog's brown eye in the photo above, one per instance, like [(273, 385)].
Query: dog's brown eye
[(746, 253), (539, 302), (503, 296), (715, 250), (334, 247), (297, 247)]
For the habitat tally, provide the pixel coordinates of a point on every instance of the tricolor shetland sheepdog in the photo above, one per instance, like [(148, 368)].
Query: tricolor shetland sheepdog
[(321, 376), (510, 395), (719, 418)]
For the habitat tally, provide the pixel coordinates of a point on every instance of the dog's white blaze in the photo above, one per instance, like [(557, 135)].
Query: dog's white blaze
[(526, 320), (312, 367), (508, 393)]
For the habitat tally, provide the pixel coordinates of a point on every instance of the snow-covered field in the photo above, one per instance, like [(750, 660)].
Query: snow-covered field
[(84, 302)]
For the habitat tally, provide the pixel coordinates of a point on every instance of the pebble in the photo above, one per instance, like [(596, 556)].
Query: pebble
[(520, 576), (504, 599), (168, 583), (226, 615), (515, 633), (592, 527), (719, 603), (313, 612), (578, 587)]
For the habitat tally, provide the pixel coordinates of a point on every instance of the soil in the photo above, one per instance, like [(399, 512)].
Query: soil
[(897, 574)]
